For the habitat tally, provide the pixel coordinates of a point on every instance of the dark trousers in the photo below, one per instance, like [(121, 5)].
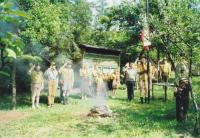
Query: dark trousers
[(181, 108), (130, 89), (182, 101)]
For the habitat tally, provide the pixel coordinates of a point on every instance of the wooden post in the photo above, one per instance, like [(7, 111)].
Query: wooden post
[(158, 60), (148, 67), (165, 88)]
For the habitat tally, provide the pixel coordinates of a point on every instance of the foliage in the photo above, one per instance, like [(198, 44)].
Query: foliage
[(57, 25), (11, 44), (176, 27)]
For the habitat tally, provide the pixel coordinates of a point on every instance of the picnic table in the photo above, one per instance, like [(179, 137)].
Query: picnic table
[(165, 85)]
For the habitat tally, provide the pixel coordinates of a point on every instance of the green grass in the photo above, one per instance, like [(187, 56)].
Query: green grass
[(156, 119)]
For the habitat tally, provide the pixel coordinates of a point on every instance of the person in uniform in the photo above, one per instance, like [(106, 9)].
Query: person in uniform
[(109, 81), (60, 82), (115, 82), (95, 77), (130, 78), (143, 80), (165, 69), (181, 91), (154, 73), (67, 81), (37, 84), (85, 81), (52, 77)]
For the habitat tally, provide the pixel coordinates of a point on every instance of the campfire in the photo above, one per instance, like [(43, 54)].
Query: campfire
[(100, 111)]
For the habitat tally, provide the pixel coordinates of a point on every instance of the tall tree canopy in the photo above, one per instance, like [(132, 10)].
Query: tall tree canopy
[(57, 25)]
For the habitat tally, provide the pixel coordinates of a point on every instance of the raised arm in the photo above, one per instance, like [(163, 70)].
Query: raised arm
[(136, 61), (61, 68), (125, 68), (31, 69)]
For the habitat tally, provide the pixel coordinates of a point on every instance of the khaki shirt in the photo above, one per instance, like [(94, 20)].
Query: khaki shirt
[(36, 77), (142, 71), (67, 79), (84, 73), (165, 69)]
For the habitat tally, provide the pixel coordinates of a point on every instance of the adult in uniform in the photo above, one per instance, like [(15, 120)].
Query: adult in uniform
[(181, 91), (143, 80), (67, 81), (60, 82), (165, 69), (37, 84), (52, 76)]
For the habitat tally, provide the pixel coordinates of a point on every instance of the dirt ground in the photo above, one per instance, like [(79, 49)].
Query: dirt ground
[(11, 116)]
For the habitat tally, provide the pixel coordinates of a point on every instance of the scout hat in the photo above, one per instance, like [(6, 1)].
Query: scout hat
[(69, 63), (53, 64), (164, 58)]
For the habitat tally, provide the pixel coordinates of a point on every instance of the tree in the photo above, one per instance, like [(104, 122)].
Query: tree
[(11, 44), (57, 25), (121, 29), (175, 28)]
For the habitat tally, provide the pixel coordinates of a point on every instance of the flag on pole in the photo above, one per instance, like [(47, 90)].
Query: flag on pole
[(145, 35)]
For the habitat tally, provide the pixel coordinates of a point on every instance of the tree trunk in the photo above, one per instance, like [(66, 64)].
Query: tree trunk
[(158, 61), (190, 63), (14, 101), (2, 58)]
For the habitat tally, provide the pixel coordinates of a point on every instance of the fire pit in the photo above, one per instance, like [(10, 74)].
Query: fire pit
[(100, 111)]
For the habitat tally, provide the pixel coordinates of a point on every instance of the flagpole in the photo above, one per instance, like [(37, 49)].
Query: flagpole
[(148, 66)]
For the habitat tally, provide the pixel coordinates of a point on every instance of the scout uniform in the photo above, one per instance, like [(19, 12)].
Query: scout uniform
[(154, 73), (181, 92), (37, 84), (52, 77), (67, 81), (165, 69), (143, 81), (100, 86), (115, 82), (85, 82), (95, 77)]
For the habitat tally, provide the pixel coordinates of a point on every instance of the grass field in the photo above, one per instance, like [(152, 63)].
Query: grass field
[(153, 120)]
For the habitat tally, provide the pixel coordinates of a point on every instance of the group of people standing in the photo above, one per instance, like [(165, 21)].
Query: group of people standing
[(136, 74), (64, 78), (94, 82)]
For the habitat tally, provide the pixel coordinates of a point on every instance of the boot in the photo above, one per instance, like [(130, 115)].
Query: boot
[(141, 100), (65, 100)]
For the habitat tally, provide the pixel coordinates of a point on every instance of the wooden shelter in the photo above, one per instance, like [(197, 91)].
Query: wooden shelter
[(107, 59)]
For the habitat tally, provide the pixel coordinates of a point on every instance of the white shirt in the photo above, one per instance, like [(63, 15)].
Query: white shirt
[(51, 74), (131, 74)]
